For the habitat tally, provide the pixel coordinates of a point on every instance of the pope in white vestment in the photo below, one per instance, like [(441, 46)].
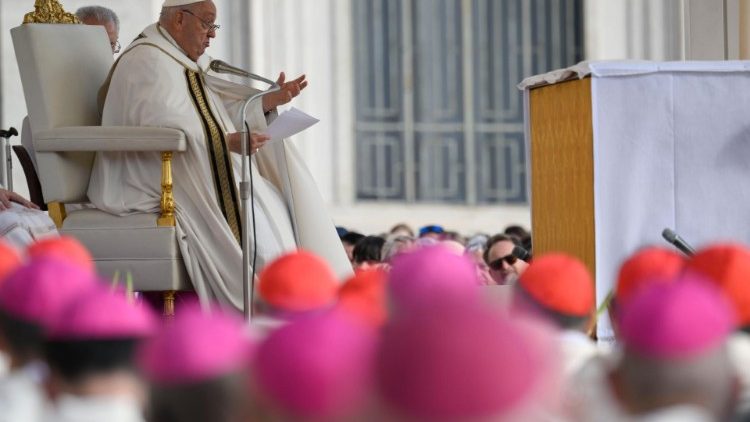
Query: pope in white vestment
[(155, 83)]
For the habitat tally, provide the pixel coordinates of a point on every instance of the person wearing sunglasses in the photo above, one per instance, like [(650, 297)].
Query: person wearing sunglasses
[(504, 267)]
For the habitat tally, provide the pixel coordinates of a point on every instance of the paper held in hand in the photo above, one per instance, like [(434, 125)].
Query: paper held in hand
[(289, 123)]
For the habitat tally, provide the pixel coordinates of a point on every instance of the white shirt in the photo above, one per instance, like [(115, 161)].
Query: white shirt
[(21, 395), (70, 408)]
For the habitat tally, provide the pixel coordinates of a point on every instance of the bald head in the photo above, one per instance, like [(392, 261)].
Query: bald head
[(192, 26)]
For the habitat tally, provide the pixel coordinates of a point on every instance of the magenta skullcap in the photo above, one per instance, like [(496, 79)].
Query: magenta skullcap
[(196, 346), (39, 291), (316, 368), (458, 361), (676, 320), (431, 273), (102, 314)]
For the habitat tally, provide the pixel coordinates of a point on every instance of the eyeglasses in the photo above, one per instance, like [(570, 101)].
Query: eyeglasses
[(115, 46), (206, 25), (497, 264)]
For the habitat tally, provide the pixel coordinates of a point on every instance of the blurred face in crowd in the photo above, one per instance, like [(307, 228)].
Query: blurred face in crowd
[(504, 267), (192, 27)]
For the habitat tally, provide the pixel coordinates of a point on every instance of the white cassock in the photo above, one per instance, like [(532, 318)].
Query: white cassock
[(739, 353), (577, 350), (21, 226), (155, 84), (21, 395), (70, 408)]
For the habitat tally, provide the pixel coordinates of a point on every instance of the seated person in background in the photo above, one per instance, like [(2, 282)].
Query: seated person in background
[(498, 255), (98, 15), (349, 239), (402, 229), (21, 222), (432, 231)]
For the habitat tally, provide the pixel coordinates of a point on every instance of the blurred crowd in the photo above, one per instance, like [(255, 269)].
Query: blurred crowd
[(500, 258), (432, 327)]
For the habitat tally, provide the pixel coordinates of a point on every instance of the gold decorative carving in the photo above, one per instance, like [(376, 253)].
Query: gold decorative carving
[(169, 297), (57, 213), (49, 11), (166, 219)]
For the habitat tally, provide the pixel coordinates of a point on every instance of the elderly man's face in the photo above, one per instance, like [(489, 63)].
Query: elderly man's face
[(194, 25), (111, 31)]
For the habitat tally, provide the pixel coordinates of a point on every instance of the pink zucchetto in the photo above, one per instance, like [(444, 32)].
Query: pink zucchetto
[(431, 273), (40, 291), (102, 314), (196, 346), (316, 368), (64, 248), (460, 361), (676, 320)]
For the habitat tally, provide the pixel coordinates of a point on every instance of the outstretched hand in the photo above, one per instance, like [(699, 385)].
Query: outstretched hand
[(7, 197), (289, 90)]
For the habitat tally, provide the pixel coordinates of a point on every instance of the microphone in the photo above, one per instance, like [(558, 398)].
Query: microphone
[(220, 66), (521, 253), (678, 242)]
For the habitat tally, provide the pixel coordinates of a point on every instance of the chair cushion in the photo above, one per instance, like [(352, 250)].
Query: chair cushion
[(132, 244)]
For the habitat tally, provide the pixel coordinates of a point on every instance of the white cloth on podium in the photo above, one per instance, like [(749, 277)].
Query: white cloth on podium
[(155, 84), (671, 149)]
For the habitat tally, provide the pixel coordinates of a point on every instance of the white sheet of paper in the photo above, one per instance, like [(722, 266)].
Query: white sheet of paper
[(290, 123)]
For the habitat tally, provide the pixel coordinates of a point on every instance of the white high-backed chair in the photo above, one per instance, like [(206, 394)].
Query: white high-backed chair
[(62, 69)]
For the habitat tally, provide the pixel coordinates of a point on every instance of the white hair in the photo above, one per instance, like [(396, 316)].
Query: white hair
[(100, 14), (706, 380)]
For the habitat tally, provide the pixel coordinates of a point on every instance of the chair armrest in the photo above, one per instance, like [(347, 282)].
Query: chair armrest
[(109, 138)]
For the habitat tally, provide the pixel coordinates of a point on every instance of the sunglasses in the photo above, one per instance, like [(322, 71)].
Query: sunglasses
[(497, 264)]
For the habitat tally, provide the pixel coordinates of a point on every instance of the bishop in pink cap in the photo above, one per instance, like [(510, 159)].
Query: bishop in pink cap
[(676, 320), (431, 273), (316, 369), (675, 350), (102, 314), (39, 292), (197, 366), (91, 355), (463, 362)]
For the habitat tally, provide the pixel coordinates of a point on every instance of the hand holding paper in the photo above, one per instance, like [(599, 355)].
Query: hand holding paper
[(289, 123)]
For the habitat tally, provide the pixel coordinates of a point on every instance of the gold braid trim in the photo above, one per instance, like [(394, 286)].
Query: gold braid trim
[(221, 161), (49, 11)]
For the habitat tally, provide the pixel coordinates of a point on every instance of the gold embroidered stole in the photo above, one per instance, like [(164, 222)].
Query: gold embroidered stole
[(221, 162)]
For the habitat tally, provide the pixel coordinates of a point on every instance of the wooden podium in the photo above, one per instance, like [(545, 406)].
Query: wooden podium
[(562, 170)]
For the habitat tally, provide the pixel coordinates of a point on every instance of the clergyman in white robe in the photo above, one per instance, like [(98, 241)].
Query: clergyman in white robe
[(155, 84)]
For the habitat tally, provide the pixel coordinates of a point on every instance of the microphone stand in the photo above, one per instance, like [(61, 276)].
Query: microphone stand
[(248, 290)]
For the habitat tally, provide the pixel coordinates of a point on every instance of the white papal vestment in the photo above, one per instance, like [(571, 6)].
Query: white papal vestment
[(155, 84)]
